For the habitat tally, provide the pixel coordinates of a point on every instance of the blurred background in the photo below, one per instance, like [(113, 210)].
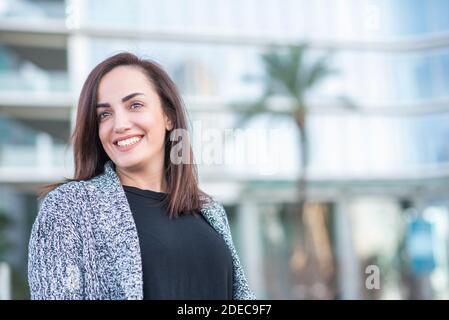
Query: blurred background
[(322, 126)]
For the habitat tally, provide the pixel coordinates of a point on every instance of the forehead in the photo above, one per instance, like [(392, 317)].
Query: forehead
[(122, 81)]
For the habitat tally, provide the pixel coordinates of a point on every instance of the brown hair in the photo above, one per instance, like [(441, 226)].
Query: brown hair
[(184, 195)]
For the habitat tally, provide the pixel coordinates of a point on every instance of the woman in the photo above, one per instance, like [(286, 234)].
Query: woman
[(132, 224)]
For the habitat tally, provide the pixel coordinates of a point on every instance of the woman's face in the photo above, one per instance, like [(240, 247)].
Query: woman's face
[(132, 124)]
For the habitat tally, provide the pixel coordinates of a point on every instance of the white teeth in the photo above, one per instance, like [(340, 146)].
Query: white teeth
[(127, 142)]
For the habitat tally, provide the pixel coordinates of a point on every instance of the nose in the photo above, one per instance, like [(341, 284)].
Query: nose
[(122, 123)]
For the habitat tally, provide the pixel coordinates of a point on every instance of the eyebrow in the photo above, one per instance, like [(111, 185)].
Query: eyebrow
[(124, 99)]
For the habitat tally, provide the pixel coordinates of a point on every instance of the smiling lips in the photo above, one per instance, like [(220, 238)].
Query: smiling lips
[(127, 144)]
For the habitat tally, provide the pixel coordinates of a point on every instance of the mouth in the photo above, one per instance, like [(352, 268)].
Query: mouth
[(128, 144)]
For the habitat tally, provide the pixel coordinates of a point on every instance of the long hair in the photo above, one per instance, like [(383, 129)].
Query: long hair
[(183, 193)]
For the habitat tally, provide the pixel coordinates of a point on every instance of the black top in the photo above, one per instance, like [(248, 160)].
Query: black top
[(182, 258)]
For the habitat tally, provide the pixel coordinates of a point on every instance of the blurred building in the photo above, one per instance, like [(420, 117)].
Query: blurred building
[(372, 172)]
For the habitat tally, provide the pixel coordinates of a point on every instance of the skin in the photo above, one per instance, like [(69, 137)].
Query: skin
[(143, 115)]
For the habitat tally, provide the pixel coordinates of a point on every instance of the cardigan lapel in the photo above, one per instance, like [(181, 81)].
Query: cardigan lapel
[(121, 232)]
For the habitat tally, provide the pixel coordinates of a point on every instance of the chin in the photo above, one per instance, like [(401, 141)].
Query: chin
[(128, 163)]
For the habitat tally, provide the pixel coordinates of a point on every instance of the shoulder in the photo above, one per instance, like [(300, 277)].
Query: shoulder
[(64, 201), (59, 219), (215, 212), (213, 205), (72, 192)]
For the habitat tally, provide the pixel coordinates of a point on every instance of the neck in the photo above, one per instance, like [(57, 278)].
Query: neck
[(149, 177)]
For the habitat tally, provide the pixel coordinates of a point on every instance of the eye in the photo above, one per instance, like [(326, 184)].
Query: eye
[(136, 105), (102, 115)]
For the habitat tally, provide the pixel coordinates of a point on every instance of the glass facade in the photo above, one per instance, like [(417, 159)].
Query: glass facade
[(344, 19), (32, 10), (33, 70), (374, 171)]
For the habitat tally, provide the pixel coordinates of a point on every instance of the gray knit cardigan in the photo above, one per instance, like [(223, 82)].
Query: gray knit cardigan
[(84, 243)]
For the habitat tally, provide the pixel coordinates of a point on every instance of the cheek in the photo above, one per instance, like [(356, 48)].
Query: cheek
[(152, 125), (103, 135)]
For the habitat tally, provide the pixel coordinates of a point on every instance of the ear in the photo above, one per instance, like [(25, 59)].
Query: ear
[(168, 123)]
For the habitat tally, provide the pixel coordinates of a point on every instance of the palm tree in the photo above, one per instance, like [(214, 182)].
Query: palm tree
[(289, 73)]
